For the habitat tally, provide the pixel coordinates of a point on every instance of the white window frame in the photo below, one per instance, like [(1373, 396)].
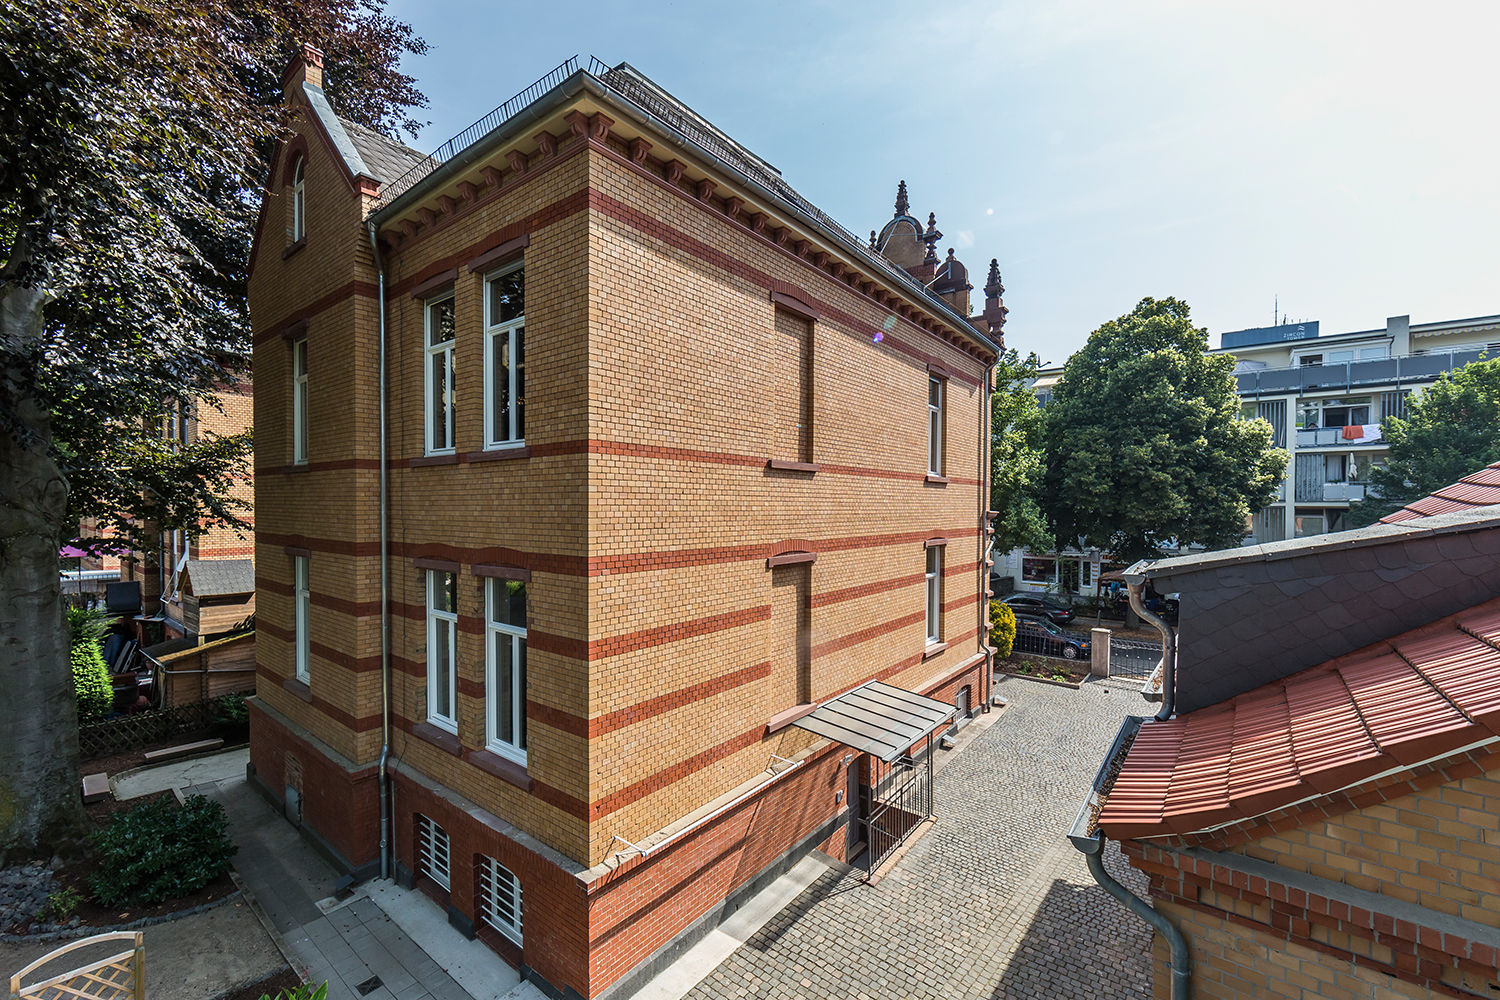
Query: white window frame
[(436, 579), (431, 352), (935, 425), (494, 880), (514, 330), (495, 633), (302, 619), (299, 200), (299, 401), (934, 594)]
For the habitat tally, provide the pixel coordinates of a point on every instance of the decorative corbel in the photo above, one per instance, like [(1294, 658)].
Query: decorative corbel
[(800, 248), (546, 142), (706, 189), (674, 171), (638, 149), (599, 126), (409, 227), (446, 204), (758, 223), (427, 215), (578, 123), (732, 206), (470, 192), (820, 260), (517, 160), (838, 269)]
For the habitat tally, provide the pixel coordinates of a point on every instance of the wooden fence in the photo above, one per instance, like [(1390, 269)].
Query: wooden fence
[(126, 731), (118, 977)]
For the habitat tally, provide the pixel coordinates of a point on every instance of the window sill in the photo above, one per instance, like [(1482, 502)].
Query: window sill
[(936, 479), (440, 738), (501, 767), (781, 720), (448, 459), (297, 467), (933, 649), (293, 248), (298, 688), (498, 454), (782, 465)]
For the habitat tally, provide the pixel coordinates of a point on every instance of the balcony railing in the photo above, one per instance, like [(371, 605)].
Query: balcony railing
[(1338, 492), (1351, 374), (1321, 437)]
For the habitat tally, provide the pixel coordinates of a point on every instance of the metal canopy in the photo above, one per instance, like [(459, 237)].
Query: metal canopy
[(877, 718)]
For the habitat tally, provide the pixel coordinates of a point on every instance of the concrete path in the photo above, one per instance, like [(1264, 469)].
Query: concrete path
[(191, 958), (381, 932), (993, 902), (228, 765)]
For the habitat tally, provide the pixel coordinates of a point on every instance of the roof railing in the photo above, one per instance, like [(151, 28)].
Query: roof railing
[(481, 128)]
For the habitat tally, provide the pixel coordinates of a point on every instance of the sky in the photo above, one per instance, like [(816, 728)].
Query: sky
[(1340, 159)]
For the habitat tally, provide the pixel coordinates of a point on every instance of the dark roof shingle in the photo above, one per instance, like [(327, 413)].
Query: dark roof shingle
[(386, 157)]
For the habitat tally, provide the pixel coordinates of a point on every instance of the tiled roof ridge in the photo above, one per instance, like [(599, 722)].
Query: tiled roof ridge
[(1470, 492), (1386, 708)]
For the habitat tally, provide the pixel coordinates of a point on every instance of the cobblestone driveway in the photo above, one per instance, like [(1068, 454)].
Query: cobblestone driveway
[(994, 901)]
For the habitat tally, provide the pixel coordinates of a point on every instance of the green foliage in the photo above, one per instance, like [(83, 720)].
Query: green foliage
[(1017, 463), (160, 851), (1450, 430), (61, 905), (85, 625), (1145, 444), (91, 684), (1002, 629), (303, 992), (230, 710)]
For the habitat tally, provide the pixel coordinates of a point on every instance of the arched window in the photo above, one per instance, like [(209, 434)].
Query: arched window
[(299, 201)]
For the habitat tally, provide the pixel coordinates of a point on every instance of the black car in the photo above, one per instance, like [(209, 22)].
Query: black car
[(1040, 606), (1038, 635)]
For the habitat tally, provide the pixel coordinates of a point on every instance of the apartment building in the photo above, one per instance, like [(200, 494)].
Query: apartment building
[(1326, 395), (677, 524)]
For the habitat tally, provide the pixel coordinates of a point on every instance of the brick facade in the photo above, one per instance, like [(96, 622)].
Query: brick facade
[(706, 389)]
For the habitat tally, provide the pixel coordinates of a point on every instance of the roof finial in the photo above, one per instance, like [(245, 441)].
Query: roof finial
[(931, 238), (872, 239), (902, 205), (992, 287)]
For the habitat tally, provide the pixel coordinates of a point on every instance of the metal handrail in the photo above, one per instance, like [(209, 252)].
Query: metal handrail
[(478, 130)]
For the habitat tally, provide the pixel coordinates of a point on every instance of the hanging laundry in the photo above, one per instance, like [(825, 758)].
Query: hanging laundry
[(1371, 432), (1354, 432)]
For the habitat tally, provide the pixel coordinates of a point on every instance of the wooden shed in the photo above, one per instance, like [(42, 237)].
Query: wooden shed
[(214, 596)]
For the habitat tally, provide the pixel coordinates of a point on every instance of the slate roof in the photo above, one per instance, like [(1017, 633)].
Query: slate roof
[(220, 577), (1478, 489), (384, 157), (1423, 694)]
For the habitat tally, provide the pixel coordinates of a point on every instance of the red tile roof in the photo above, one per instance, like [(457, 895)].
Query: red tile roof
[(1478, 489), (1397, 703)]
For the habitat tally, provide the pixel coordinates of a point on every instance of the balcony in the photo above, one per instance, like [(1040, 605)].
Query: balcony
[(1349, 375), (1343, 492), (1323, 437)]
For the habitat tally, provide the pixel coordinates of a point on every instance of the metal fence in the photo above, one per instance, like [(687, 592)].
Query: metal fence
[(899, 800), (1133, 657), (96, 739)]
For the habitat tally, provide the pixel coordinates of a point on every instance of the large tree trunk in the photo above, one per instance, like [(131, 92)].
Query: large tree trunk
[(41, 809)]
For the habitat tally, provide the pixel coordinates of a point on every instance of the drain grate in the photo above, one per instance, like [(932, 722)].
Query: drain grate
[(369, 986)]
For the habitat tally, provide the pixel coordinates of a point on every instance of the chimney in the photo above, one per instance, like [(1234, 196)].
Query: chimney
[(1398, 328), (305, 67)]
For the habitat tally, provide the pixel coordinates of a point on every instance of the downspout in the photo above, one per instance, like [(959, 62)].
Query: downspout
[(385, 585), (986, 539), (1090, 841), (1135, 580)]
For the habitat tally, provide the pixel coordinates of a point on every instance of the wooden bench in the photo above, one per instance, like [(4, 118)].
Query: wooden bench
[(95, 788), (169, 753)]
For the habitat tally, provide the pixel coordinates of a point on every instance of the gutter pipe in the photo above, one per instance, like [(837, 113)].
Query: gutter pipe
[(1090, 842), (385, 584), (1135, 580)]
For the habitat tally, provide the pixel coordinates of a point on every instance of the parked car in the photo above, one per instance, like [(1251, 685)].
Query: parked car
[(1040, 606), (1038, 635)]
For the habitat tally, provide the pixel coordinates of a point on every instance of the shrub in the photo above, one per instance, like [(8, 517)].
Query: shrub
[(230, 710), (91, 684), (160, 851), (1002, 629), (303, 992), (61, 905)]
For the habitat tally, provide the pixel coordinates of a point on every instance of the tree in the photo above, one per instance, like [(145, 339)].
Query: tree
[(1016, 459), (135, 136), (1145, 444), (1451, 430)]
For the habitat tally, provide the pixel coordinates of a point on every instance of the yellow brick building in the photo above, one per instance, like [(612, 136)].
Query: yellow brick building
[(672, 465)]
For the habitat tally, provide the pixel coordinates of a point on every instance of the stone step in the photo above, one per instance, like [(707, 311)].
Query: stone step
[(170, 753), (95, 788)]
